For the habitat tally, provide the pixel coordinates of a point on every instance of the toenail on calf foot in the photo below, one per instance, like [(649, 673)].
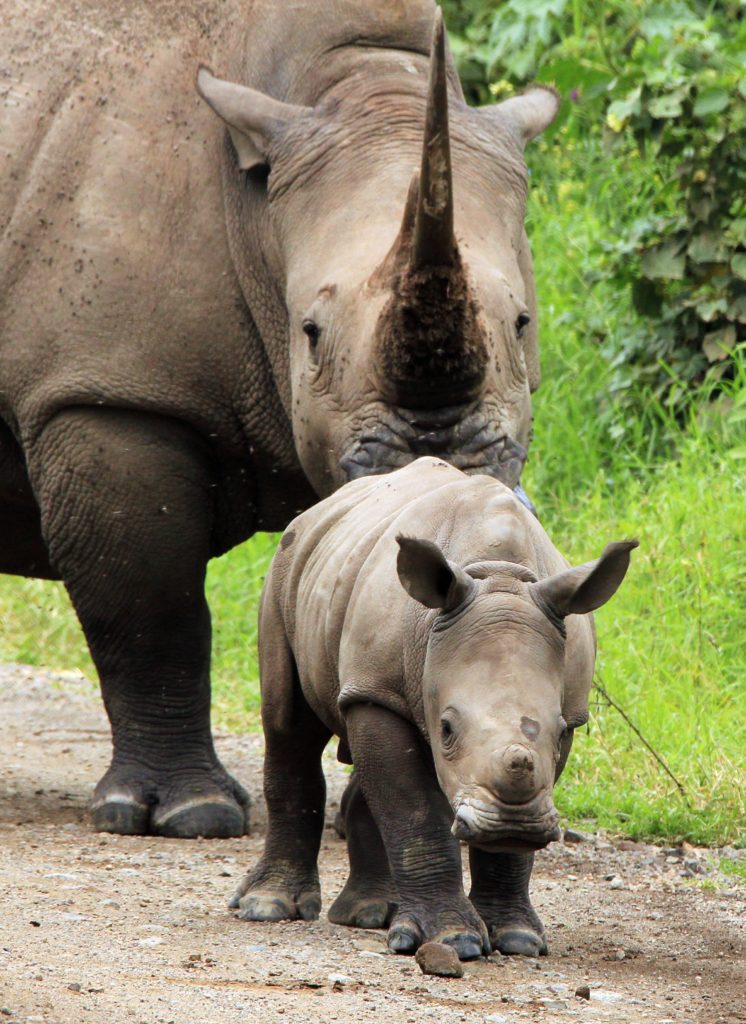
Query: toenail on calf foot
[(519, 942), (402, 941), (467, 946)]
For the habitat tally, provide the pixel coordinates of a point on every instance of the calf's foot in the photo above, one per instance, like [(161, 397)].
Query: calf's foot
[(278, 892), (516, 932), (362, 907), (459, 926), (208, 802), (500, 894)]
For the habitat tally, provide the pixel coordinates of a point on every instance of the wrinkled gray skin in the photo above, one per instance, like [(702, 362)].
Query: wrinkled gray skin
[(160, 396), (428, 621)]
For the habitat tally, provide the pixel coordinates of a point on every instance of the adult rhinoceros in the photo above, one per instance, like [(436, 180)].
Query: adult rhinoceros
[(203, 329)]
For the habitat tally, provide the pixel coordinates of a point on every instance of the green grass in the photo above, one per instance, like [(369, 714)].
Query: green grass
[(671, 647)]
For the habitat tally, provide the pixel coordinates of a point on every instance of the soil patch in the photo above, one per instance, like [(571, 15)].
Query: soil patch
[(98, 929)]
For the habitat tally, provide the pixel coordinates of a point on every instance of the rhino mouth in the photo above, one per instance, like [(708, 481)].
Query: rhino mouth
[(495, 830), (464, 436)]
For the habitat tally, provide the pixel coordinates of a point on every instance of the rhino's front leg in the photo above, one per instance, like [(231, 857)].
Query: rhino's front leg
[(414, 818), (499, 891), (127, 507)]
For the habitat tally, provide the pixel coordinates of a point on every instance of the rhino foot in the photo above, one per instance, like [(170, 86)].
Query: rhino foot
[(213, 805), (357, 910), (266, 905), (518, 942), (277, 892), (463, 929)]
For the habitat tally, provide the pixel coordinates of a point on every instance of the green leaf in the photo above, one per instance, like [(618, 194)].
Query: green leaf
[(717, 345), (668, 105), (708, 247), (620, 111), (710, 309), (666, 260), (711, 101), (738, 264)]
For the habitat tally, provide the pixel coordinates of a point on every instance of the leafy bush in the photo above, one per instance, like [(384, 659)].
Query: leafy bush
[(662, 82)]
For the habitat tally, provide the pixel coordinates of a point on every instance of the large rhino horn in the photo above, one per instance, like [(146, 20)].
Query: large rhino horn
[(433, 243)]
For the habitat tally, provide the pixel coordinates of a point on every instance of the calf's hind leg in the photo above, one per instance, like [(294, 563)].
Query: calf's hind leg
[(369, 897), (126, 505), (285, 883)]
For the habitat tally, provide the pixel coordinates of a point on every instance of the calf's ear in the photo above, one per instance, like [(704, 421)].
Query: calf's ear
[(585, 587), (428, 576), (253, 118)]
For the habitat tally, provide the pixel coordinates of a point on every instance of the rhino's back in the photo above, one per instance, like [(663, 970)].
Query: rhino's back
[(355, 633), (117, 284)]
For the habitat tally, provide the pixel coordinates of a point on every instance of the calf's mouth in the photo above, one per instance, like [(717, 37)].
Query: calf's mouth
[(497, 828)]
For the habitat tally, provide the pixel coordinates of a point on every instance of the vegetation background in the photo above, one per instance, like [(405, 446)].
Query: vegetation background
[(637, 221)]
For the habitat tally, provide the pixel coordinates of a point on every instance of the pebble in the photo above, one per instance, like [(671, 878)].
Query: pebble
[(616, 883), (437, 958), (583, 992), (496, 1018), (571, 836), (339, 979)]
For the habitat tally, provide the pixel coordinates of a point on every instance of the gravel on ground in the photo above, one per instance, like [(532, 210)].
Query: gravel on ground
[(103, 929)]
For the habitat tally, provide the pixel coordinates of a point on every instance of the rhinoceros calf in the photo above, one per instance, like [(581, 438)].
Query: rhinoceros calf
[(208, 321), (427, 620)]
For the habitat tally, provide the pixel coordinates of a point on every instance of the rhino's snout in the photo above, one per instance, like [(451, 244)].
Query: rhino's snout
[(514, 774), (497, 826)]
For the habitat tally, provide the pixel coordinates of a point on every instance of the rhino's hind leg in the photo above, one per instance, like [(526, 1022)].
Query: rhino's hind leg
[(369, 897), (499, 891), (285, 883), (126, 504), (414, 818)]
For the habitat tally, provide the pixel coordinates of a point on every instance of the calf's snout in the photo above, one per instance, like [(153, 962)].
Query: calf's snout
[(514, 774)]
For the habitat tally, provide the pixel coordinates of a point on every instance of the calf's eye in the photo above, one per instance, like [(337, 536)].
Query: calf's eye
[(522, 321), (312, 331), (447, 732)]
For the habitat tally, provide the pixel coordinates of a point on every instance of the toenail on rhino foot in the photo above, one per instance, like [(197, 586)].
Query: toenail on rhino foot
[(124, 817), (361, 913), (467, 945), (518, 942), (209, 818)]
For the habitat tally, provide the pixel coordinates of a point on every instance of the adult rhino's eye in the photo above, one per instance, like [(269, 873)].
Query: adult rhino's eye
[(522, 321), (312, 332)]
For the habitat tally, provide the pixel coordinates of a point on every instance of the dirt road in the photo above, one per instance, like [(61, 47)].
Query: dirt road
[(101, 929)]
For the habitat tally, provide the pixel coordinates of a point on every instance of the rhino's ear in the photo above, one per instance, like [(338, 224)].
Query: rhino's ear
[(428, 576), (528, 114), (585, 587), (252, 118)]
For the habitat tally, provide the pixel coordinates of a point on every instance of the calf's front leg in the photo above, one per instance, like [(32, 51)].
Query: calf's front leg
[(499, 891), (414, 819)]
